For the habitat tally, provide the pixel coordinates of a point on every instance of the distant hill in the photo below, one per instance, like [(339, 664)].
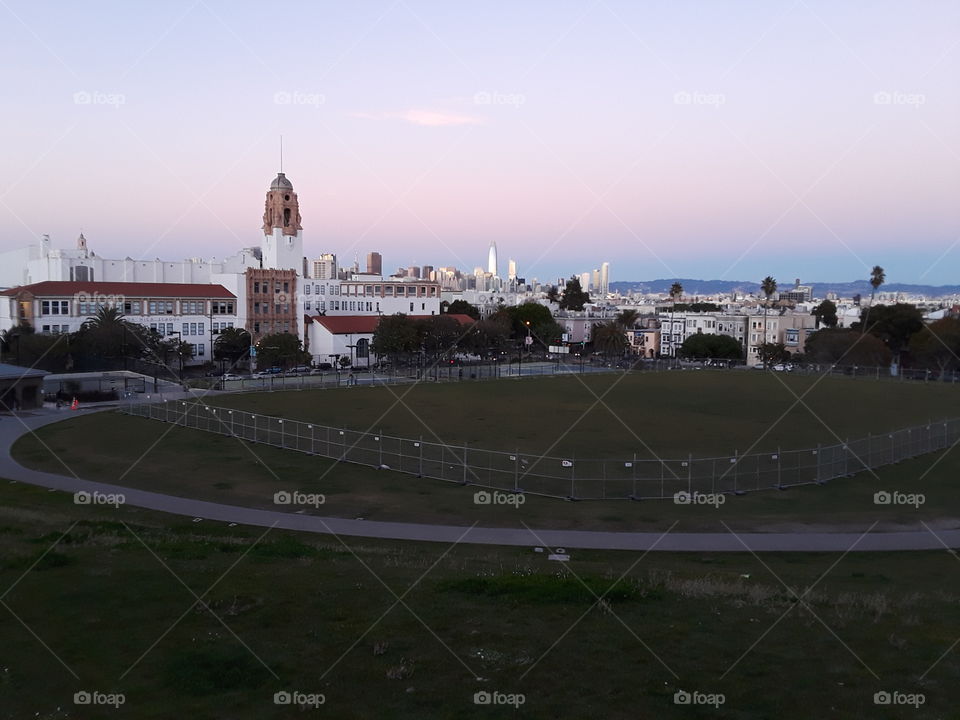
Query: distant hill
[(711, 287)]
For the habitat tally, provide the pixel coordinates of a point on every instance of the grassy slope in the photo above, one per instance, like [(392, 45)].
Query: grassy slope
[(100, 599)]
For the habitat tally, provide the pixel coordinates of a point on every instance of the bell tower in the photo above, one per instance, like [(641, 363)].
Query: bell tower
[(283, 233)]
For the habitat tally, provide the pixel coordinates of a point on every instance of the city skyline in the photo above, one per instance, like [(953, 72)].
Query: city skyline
[(729, 160)]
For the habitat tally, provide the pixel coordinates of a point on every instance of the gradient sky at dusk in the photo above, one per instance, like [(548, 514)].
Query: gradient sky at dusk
[(696, 139)]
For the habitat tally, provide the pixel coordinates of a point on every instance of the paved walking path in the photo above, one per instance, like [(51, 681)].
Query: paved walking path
[(12, 428)]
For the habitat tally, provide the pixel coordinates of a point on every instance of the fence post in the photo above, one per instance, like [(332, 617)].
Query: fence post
[(573, 476), (465, 463), (818, 462), (779, 469), (420, 447), (516, 470), (736, 469), (690, 474), (380, 446), (633, 472)]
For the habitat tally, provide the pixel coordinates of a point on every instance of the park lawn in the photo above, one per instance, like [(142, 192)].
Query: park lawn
[(653, 415), (312, 614), (161, 457)]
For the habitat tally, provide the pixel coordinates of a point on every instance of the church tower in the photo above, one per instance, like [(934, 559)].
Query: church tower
[(283, 233)]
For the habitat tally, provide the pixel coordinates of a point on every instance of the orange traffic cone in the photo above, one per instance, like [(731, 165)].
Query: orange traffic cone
[(74, 405)]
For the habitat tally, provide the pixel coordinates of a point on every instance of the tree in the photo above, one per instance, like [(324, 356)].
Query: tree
[(395, 337), (574, 296), (609, 338), (535, 317), (462, 307), (488, 337), (627, 318), (232, 344), (768, 287), (439, 335), (877, 278), (937, 346), (894, 324), (702, 345), (106, 334), (847, 347), (280, 350), (25, 347), (826, 313), (772, 353)]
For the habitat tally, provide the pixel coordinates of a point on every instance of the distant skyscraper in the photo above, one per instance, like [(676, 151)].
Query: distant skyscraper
[(512, 269), (325, 267), (605, 279), (374, 263), (584, 281), (425, 273), (595, 280), (492, 259), (413, 271)]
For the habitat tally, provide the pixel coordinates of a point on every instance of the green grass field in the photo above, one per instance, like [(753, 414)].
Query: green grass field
[(669, 414), (161, 457), (309, 614)]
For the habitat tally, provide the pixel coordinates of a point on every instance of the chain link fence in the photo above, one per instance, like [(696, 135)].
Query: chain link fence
[(562, 477)]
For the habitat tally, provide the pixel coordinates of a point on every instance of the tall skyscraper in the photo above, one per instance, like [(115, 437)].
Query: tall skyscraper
[(584, 281), (512, 269), (605, 279), (374, 263), (492, 259)]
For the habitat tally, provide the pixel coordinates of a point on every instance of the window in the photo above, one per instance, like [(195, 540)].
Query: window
[(322, 306), (186, 329), (411, 307), (306, 289), (306, 304), (363, 348), (201, 350), (222, 307), (54, 307), (369, 307), (256, 326), (193, 329), (200, 328), (286, 287), (256, 287)]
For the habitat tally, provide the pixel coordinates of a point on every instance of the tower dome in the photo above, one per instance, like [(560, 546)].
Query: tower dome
[(281, 183)]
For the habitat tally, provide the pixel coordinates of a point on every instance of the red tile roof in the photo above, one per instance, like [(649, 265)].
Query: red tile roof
[(366, 324), (61, 288)]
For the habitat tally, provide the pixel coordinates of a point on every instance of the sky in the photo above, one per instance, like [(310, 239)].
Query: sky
[(711, 139)]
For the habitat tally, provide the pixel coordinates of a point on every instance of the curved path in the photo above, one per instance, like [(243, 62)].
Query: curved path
[(12, 428)]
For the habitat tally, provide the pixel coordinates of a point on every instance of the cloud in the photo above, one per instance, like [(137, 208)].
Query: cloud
[(423, 118)]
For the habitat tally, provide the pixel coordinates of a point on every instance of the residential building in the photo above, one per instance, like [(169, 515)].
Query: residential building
[(195, 312)]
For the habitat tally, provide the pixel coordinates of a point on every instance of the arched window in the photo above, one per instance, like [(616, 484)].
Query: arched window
[(363, 348)]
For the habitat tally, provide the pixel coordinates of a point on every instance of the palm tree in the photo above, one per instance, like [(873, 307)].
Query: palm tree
[(627, 318), (609, 338), (105, 317), (768, 287), (877, 278), (676, 291)]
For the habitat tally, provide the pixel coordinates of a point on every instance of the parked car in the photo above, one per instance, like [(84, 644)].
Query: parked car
[(300, 370), (325, 366), (232, 376)]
